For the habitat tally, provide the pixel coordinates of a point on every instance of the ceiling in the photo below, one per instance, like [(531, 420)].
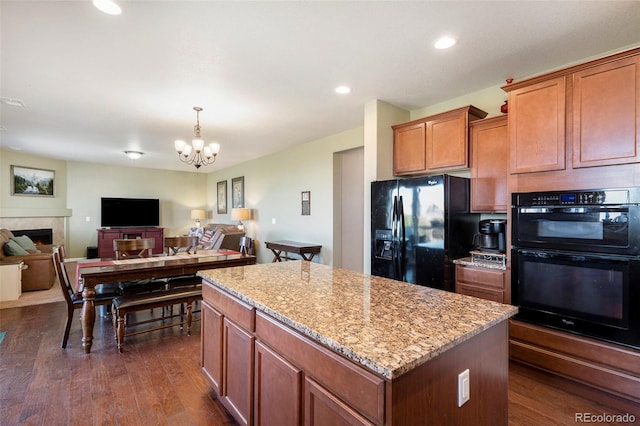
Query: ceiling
[(95, 85)]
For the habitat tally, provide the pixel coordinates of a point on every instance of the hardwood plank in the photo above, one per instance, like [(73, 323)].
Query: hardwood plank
[(157, 379)]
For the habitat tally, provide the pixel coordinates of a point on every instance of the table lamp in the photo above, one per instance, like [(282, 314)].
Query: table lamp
[(198, 215), (240, 214)]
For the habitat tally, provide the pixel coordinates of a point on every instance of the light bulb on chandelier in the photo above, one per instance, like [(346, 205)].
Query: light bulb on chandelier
[(197, 153)]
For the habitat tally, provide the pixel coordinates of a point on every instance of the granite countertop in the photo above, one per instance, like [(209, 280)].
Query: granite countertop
[(387, 326)]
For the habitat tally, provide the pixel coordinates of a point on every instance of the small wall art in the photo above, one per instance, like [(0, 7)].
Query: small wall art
[(237, 192), (30, 181), (306, 203), (222, 197)]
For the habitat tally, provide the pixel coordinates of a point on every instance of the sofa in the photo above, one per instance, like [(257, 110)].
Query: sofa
[(40, 273), (218, 236)]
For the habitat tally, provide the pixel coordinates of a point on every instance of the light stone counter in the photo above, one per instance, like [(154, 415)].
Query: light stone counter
[(387, 326)]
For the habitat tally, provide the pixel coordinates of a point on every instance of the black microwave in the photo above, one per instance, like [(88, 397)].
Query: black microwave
[(593, 221)]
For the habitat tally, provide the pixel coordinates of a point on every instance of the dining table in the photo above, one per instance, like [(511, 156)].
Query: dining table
[(93, 272)]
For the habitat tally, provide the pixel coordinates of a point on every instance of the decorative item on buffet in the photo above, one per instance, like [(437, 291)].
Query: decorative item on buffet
[(504, 108)]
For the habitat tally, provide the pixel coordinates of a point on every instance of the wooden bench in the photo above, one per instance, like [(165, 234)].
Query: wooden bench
[(122, 305)]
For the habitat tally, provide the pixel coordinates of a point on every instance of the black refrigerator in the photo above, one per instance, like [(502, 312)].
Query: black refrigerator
[(419, 226)]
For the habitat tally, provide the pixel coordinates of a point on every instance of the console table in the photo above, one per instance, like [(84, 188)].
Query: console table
[(107, 235), (304, 250)]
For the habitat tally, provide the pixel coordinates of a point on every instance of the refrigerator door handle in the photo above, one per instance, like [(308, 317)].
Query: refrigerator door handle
[(394, 237), (402, 239)]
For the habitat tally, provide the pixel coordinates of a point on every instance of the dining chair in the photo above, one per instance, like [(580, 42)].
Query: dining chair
[(172, 246), (72, 298), (132, 249)]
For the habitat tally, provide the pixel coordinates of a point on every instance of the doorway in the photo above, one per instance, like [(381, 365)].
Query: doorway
[(349, 209)]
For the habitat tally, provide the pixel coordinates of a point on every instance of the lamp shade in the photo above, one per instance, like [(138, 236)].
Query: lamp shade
[(240, 214), (197, 214)]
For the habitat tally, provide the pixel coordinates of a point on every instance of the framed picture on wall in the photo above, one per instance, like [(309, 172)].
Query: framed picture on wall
[(306, 203), (32, 182), (222, 197), (237, 192)]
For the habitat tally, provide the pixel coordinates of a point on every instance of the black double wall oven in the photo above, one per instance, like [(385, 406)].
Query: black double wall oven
[(576, 262)]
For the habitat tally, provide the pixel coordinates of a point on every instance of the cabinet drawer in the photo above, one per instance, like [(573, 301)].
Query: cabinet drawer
[(486, 277), (243, 314), (480, 292), (361, 389)]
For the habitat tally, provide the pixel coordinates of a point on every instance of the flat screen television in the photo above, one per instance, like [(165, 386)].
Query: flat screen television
[(129, 212)]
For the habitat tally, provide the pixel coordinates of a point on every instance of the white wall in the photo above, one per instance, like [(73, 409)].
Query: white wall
[(178, 192)]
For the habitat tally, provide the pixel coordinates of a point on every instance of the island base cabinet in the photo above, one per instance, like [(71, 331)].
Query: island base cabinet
[(324, 408), (211, 355), (237, 376), (428, 395), (272, 374), (278, 386)]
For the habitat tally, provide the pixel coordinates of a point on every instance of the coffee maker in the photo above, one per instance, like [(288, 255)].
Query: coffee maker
[(491, 236)]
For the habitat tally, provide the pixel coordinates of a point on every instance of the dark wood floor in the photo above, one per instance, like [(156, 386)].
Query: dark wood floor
[(157, 379)]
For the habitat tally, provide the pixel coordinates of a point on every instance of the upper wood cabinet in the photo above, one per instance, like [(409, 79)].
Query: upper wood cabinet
[(436, 143), (584, 116), (537, 127), (489, 165), (409, 149), (606, 114)]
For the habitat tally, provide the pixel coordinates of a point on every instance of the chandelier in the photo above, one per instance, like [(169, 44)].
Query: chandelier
[(197, 153)]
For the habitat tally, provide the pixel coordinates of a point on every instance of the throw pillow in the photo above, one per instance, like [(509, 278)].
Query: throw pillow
[(207, 236), (11, 248), (24, 242)]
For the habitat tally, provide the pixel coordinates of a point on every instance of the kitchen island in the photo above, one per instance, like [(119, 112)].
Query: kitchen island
[(292, 342)]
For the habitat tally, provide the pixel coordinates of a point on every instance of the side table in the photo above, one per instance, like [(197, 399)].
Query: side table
[(305, 250), (11, 280)]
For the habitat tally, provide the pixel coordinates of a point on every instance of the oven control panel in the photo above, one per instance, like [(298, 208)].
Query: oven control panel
[(572, 198)]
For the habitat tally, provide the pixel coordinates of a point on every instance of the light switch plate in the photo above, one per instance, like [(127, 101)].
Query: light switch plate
[(463, 387)]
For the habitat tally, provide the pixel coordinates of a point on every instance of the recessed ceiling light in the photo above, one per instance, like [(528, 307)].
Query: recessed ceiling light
[(343, 90), (107, 6), (445, 42), (134, 155)]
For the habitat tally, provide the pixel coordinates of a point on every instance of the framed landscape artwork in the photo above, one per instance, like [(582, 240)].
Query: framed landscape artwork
[(237, 192), (32, 182), (222, 197)]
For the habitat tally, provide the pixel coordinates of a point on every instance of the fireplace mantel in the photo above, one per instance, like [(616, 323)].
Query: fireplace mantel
[(28, 212)]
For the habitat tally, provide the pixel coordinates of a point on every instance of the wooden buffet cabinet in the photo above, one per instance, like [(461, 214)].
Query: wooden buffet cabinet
[(434, 144), (107, 235)]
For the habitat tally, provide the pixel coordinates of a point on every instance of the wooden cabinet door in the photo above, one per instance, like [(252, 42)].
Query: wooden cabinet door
[(481, 282), (447, 142), (409, 150), (105, 242), (324, 408), (211, 346), (606, 114), (537, 127), (237, 372), (278, 389), (489, 164)]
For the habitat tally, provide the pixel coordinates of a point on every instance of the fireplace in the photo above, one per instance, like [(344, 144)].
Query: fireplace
[(38, 236)]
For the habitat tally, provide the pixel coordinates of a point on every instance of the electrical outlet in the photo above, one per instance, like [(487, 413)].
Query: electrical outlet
[(87, 219), (463, 387)]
